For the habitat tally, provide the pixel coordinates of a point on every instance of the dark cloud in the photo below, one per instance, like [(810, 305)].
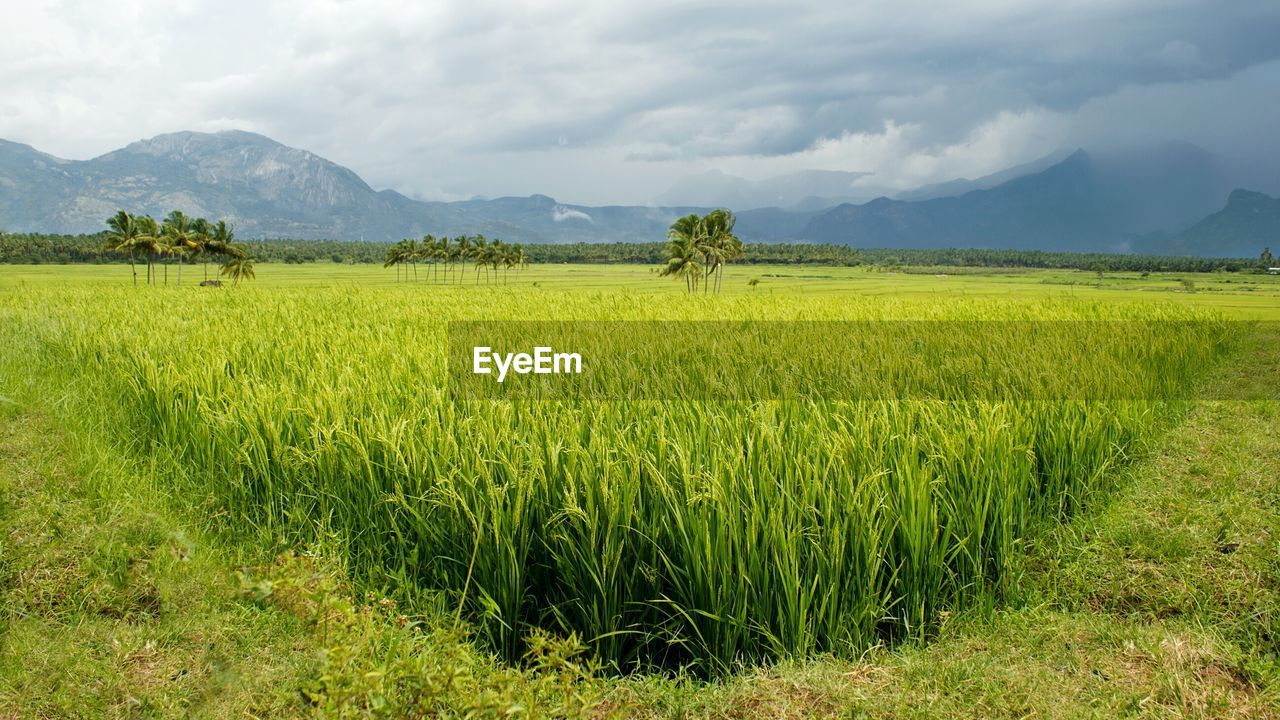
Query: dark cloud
[(599, 102)]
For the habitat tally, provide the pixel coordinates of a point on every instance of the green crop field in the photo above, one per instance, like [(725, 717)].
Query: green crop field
[(675, 535)]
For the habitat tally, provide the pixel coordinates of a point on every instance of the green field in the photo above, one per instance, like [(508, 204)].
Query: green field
[(676, 545), (1243, 295)]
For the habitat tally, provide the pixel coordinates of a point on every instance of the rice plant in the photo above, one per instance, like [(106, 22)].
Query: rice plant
[(670, 532)]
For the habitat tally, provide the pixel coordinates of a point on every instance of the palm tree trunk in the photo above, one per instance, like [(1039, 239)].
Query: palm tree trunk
[(133, 269), (179, 272)]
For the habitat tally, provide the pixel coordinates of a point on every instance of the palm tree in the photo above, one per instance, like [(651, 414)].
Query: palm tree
[(201, 231), (465, 248), (220, 241), (480, 253), (446, 253), (685, 251), (721, 245), (520, 260), (497, 256), (238, 265), (428, 253), (123, 237), (396, 256), (415, 251), (148, 242), (698, 248), (178, 240)]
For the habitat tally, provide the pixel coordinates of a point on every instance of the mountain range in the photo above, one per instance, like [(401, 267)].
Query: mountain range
[(1175, 199), (1250, 221)]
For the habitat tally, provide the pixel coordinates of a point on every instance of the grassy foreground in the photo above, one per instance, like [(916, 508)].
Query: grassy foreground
[(115, 604), (120, 601), (1161, 604)]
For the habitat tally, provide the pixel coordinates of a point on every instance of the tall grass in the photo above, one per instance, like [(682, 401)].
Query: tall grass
[(675, 533)]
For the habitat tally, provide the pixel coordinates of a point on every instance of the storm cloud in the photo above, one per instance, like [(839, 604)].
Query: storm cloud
[(597, 102)]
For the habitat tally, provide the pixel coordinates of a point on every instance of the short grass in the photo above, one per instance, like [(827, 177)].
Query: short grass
[(112, 607), (117, 603)]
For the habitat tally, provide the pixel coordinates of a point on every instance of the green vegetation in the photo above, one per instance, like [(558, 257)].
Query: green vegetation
[(19, 248), (178, 238), (623, 524), (454, 254), (117, 600), (339, 442), (698, 247)]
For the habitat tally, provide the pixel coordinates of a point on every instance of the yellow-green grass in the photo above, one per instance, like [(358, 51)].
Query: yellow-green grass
[(1015, 666), (1244, 295), (313, 406)]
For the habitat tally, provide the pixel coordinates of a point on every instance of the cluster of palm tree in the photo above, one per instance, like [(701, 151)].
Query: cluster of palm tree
[(451, 255), (177, 238), (699, 246)]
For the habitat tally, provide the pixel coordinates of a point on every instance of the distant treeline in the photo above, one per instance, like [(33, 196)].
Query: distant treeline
[(24, 248)]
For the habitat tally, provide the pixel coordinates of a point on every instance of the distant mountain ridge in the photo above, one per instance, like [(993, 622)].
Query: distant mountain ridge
[(1249, 222), (1148, 200), (960, 186), (805, 190), (270, 190), (1082, 203), (262, 186)]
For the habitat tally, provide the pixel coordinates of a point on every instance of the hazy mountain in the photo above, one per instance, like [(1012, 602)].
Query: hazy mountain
[(539, 218), (811, 189), (1079, 203), (774, 224), (1249, 222), (1134, 200), (961, 186), (270, 190), (30, 182)]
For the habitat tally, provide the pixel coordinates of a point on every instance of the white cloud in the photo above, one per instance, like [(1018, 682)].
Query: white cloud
[(561, 213)]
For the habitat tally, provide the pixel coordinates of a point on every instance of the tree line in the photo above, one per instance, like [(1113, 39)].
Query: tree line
[(176, 238), (449, 256), (39, 248)]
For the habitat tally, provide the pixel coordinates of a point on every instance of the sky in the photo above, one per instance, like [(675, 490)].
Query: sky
[(601, 102)]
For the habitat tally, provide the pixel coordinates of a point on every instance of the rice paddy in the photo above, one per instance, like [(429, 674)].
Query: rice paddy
[(666, 533)]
